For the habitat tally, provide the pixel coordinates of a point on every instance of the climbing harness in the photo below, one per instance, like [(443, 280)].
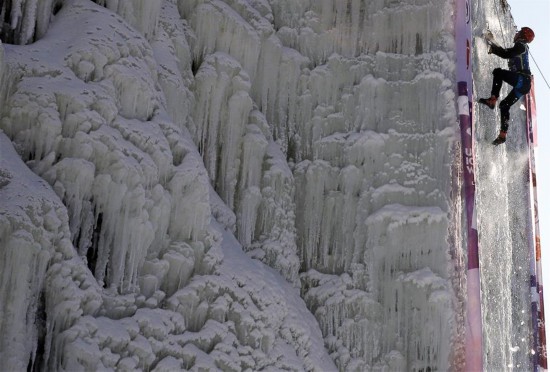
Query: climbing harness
[(530, 54)]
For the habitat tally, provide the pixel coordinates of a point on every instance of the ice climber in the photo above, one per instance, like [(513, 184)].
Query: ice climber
[(518, 76)]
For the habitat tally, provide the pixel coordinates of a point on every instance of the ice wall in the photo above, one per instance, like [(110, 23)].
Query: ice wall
[(36, 253), (503, 180), (316, 137), (371, 162), (24, 21), (114, 249)]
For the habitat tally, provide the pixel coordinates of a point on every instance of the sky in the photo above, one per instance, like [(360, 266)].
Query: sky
[(536, 15)]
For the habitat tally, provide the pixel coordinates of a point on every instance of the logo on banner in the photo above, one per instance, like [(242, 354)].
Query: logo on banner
[(463, 106), (469, 160)]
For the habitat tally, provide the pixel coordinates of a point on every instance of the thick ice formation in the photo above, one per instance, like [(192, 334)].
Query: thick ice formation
[(506, 298), (36, 254), (170, 136), (24, 21), (89, 111)]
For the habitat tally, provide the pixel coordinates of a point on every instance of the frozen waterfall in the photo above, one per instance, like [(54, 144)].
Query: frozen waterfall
[(241, 185)]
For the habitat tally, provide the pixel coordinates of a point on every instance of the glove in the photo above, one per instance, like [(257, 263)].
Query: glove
[(489, 36)]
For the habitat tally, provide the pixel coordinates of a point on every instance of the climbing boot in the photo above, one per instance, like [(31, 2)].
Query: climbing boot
[(490, 102), (500, 139)]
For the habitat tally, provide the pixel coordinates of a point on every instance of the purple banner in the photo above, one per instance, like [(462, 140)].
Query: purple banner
[(537, 298), (466, 137), (474, 335)]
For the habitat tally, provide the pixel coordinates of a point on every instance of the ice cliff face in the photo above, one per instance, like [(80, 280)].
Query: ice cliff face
[(505, 248), (237, 184)]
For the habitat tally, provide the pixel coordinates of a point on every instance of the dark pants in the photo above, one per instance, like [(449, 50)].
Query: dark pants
[(521, 84)]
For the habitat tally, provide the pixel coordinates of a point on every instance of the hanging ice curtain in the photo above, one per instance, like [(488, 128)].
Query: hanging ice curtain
[(463, 32)]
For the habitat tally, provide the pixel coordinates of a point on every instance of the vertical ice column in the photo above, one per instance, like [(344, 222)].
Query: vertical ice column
[(474, 337), (175, 74), (28, 19), (141, 14), (147, 14), (221, 115), (540, 359), (224, 30), (253, 151)]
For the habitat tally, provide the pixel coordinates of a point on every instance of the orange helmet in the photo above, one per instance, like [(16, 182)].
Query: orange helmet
[(525, 34)]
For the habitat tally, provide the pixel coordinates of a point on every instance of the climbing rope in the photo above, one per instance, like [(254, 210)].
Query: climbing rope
[(530, 54), (538, 68)]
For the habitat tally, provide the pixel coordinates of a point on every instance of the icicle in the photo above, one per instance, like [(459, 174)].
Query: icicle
[(175, 73), (147, 13), (275, 222), (23, 270), (221, 119), (181, 263), (317, 178), (189, 189), (223, 30), (239, 107), (248, 211), (76, 176), (28, 21)]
